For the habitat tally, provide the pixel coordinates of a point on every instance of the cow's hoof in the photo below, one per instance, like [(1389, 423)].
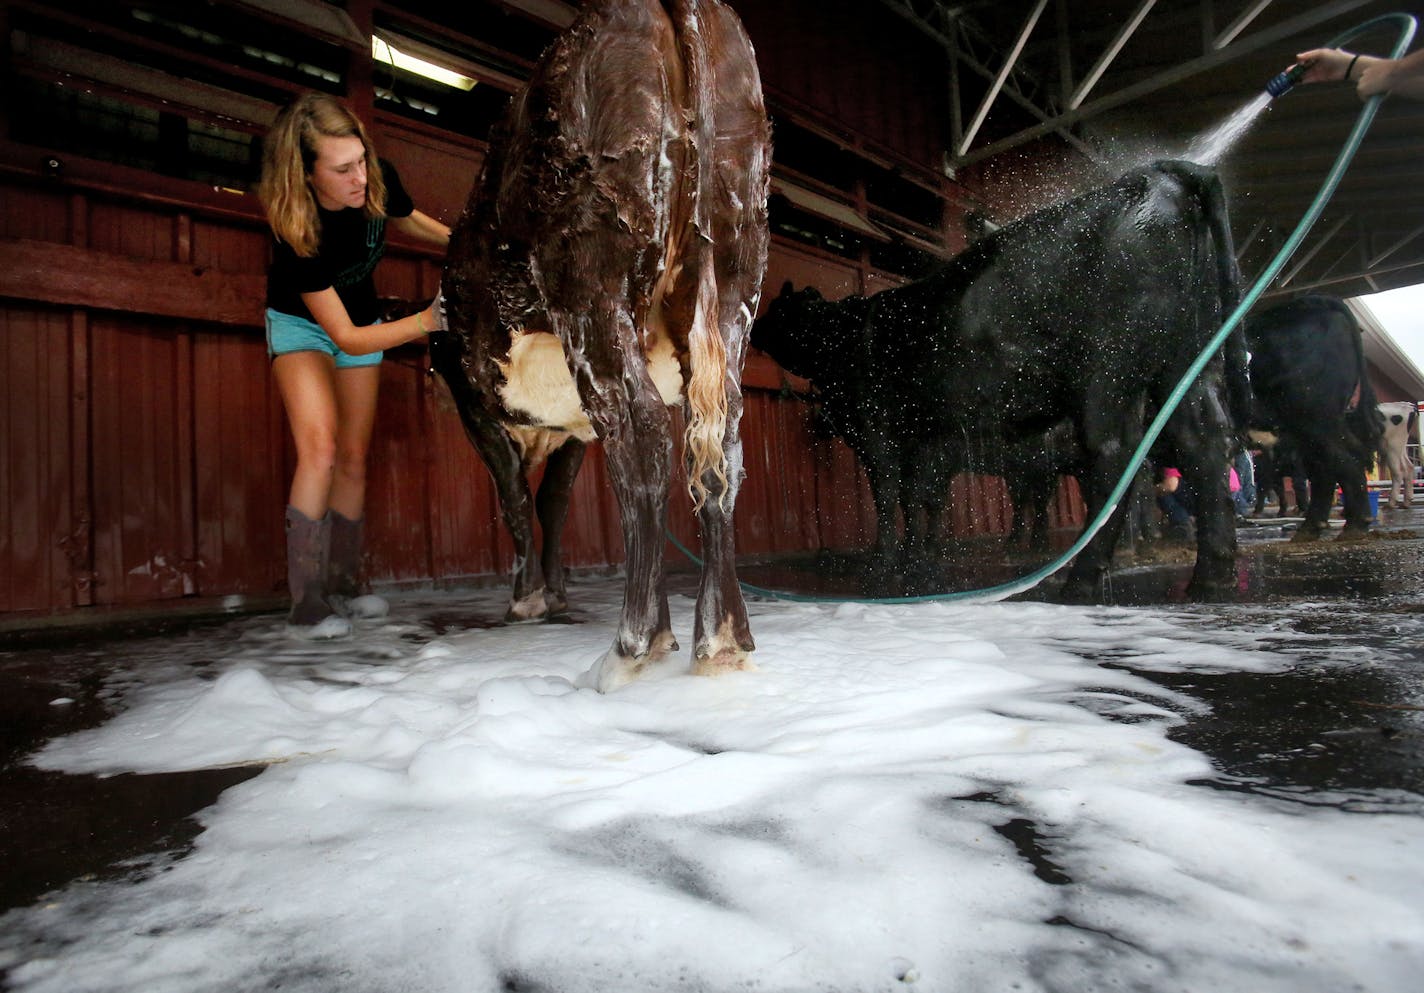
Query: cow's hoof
[(726, 660), (616, 670), (664, 644), (1350, 535), (530, 608), (1081, 591), (1304, 536)]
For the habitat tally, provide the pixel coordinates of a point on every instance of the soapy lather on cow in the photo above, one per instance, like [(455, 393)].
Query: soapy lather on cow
[(608, 266)]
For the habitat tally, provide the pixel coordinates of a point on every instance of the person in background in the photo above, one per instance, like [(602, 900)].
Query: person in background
[(1371, 74), (1245, 495), (1178, 502), (327, 198)]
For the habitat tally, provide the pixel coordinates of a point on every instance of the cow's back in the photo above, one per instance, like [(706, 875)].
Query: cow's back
[(1096, 295)]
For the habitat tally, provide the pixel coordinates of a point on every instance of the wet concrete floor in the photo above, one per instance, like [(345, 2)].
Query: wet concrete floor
[(1347, 736)]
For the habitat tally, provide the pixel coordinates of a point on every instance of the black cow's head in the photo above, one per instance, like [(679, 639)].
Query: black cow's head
[(791, 329)]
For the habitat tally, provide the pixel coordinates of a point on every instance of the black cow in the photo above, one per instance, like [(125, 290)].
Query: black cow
[(1310, 385), (1032, 469), (1089, 311), (607, 266)]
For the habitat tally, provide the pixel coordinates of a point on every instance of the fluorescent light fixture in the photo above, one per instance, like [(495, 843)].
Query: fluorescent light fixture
[(383, 52)]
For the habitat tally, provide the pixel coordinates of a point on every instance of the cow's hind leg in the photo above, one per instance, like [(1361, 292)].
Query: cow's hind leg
[(1322, 498), (1350, 463), (722, 637), (1088, 573), (635, 429), (552, 505), (516, 505), (1214, 574), (731, 140), (1109, 437)]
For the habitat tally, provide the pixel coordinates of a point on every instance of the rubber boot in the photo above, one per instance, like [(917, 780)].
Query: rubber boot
[(343, 587), (312, 615)]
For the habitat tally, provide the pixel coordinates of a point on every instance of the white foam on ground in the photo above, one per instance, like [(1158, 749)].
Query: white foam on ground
[(456, 816)]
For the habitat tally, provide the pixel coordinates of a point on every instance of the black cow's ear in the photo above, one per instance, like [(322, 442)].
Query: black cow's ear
[(787, 289)]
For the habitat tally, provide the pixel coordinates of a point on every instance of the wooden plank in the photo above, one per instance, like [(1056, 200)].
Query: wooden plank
[(45, 272)]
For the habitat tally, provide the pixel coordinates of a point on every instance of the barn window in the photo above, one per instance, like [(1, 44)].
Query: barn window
[(896, 194), (810, 155), (788, 220), (843, 197), (468, 108), (98, 126), (182, 90)]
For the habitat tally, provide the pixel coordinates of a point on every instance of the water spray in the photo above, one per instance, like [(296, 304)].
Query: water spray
[(1282, 83)]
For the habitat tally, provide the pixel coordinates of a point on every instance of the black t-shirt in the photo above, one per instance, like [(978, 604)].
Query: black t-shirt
[(350, 246)]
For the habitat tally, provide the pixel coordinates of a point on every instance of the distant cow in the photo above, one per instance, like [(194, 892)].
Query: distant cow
[(1310, 387), (1088, 311), (1275, 462), (1400, 420), (607, 266)]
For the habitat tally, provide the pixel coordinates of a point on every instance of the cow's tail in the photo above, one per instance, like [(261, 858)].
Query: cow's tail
[(707, 399), (1206, 187)]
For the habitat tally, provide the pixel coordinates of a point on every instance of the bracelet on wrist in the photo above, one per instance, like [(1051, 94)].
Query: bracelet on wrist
[(1351, 67), (420, 322)]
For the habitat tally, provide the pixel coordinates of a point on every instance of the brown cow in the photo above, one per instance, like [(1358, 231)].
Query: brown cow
[(607, 266)]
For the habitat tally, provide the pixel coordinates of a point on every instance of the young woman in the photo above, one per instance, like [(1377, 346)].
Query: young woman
[(327, 199)]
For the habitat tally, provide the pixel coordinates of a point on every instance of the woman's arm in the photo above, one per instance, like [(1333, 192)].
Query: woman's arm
[(328, 310), (424, 227), (1371, 74)]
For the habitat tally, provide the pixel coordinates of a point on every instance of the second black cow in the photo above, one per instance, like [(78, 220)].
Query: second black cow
[(1089, 311), (1308, 378)]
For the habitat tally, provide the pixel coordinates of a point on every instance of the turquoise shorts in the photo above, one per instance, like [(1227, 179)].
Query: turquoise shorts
[(289, 333)]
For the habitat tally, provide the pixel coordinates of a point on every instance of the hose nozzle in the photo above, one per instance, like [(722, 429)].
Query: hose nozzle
[(1281, 83)]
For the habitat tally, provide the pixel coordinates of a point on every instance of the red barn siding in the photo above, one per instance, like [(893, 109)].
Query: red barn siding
[(142, 541), (36, 492), (240, 472)]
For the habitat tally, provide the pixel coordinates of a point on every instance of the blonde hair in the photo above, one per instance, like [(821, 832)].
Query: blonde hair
[(288, 154)]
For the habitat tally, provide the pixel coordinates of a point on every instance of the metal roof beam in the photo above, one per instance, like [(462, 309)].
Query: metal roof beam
[(1106, 59), (1170, 76), (1371, 263), (1090, 153), (956, 34), (1321, 243), (1370, 274), (1003, 74), (1240, 24)]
